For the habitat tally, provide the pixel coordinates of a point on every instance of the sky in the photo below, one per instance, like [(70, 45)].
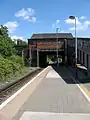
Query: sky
[(25, 17)]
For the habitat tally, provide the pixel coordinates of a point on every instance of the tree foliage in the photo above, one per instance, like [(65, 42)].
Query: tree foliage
[(3, 30), (17, 59), (5, 68), (20, 46), (6, 44), (10, 63), (10, 66)]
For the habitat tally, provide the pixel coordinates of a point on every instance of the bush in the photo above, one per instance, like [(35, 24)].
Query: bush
[(17, 59), (6, 69), (10, 66), (2, 74), (16, 67), (9, 63)]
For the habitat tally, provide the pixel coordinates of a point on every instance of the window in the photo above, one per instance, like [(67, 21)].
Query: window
[(87, 60), (80, 55), (83, 57)]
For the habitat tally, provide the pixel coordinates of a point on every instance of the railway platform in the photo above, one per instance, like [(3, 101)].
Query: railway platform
[(55, 97)]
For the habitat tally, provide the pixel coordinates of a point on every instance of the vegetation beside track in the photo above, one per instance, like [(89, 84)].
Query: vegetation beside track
[(11, 68), (11, 64)]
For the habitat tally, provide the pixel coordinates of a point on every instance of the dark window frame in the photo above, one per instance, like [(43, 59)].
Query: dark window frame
[(80, 55), (83, 57), (87, 60)]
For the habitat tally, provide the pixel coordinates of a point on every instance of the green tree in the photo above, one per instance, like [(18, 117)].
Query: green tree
[(6, 68), (20, 46), (21, 42), (17, 63), (6, 44), (3, 30)]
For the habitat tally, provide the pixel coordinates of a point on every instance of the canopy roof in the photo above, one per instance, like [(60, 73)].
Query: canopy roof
[(51, 35)]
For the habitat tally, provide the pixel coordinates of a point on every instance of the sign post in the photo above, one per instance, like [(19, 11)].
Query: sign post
[(37, 57), (30, 57), (57, 46)]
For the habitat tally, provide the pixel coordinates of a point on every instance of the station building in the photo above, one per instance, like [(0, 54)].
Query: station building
[(46, 44)]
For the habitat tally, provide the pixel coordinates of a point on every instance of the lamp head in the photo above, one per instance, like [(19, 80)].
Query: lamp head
[(72, 17)]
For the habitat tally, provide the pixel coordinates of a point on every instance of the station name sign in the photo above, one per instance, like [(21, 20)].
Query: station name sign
[(49, 45), (46, 45)]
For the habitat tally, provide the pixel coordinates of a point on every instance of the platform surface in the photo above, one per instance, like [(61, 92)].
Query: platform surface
[(57, 96)]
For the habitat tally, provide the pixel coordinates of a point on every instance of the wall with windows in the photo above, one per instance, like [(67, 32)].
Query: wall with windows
[(78, 55), (84, 51), (84, 43), (85, 62)]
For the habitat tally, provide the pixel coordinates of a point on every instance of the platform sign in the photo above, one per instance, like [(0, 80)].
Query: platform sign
[(49, 45), (33, 44)]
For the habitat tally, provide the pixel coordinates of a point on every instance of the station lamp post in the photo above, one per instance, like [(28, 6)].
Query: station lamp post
[(74, 18), (57, 45)]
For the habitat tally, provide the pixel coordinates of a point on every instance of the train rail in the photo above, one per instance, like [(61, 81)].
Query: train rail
[(10, 89)]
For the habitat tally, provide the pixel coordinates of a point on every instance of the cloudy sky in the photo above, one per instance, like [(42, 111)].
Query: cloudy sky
[(25, 17)]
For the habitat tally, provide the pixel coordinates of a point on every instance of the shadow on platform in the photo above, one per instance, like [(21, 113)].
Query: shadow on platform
[(67, 72)]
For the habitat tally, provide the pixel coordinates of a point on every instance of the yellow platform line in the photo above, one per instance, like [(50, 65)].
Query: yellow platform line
[(85, 90)]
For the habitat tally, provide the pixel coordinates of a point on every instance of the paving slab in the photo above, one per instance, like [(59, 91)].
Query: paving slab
[(57, 93), (53, 116)]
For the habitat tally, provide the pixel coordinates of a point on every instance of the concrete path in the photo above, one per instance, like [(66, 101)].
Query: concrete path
[(57, 93)]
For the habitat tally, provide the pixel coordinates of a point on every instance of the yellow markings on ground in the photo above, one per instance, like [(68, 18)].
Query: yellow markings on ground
[(78, 65), (85, 90)]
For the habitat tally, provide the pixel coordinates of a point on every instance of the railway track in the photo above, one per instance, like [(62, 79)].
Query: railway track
[(9, 90)]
